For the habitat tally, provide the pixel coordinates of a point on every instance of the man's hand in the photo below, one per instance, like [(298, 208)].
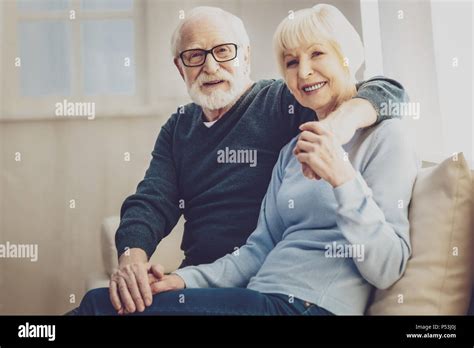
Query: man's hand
[(129, 288)]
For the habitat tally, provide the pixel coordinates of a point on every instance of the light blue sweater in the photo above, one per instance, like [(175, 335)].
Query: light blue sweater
[(324, 245)]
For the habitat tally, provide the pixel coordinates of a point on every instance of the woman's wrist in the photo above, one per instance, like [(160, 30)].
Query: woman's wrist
[(343, 177), (179, 280)]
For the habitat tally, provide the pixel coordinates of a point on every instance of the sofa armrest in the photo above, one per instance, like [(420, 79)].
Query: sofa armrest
[(109, 252), (168, 252)]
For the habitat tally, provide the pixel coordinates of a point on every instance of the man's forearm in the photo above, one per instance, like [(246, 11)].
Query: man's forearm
[(351, 115), (380, 91), (133, 255), (359, 113)]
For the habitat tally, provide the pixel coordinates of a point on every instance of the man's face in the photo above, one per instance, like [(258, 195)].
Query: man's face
[(213, 85)]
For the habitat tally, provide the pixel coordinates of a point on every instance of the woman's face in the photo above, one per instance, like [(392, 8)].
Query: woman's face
[(316, 76)]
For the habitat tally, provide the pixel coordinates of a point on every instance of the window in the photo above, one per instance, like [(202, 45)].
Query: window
[(74, 50)]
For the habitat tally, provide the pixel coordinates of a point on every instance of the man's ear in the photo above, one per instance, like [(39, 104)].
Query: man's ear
[(247, 59), (179, 67), (247, 55)]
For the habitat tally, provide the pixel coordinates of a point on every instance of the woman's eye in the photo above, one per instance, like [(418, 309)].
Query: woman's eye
[(291, 63), (316, 53)]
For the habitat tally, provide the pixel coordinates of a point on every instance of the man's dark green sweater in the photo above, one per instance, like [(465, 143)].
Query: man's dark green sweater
[(218, 176)]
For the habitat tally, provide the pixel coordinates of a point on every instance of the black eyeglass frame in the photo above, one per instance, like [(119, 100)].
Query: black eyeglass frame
[(206, 52)]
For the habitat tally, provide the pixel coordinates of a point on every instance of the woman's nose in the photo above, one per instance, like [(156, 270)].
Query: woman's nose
[(305, 70)]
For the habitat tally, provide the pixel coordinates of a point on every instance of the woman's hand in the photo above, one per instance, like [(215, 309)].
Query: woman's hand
[(167, 283), (319, 152), (159, 282)]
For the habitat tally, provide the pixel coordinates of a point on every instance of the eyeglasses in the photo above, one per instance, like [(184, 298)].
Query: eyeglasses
[(220, 53)]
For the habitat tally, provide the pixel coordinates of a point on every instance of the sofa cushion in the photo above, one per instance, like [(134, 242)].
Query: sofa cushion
[(438, 277)]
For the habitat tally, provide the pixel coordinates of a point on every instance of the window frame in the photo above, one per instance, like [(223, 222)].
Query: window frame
[(17, 107)]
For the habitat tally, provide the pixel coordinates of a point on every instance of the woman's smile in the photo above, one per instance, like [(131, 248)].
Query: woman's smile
[(312, 88)]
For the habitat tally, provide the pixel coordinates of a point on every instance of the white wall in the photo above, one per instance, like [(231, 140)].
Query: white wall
[(64, 160)]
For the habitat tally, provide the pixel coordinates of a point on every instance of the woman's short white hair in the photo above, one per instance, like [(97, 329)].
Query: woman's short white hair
[(234, 23), (320, 22)]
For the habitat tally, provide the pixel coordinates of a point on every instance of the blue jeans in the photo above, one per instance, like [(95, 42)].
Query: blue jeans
[(206, 301)]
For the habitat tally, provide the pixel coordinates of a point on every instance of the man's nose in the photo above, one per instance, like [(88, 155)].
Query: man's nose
[(305, 69), (210, 65)]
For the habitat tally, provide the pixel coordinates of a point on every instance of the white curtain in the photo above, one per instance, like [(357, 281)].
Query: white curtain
[(428, 47)]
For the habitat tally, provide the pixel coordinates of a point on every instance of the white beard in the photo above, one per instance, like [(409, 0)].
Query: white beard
[(218, 99)]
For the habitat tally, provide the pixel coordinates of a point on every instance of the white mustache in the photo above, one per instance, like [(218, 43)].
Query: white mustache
[(208, 78)]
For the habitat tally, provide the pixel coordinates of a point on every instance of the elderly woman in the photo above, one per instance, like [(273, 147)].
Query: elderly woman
[(327, 234)]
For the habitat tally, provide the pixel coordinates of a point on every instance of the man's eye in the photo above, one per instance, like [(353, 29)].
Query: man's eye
[(291, 63)]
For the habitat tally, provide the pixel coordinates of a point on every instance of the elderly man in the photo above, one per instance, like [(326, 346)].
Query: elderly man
[(213, 158)]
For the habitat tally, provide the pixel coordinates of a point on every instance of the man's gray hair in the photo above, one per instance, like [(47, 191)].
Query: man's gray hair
[(234, 22)]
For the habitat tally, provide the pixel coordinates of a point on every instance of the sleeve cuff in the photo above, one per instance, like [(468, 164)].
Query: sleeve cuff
[(352, 194), (188, 275), (375, 95), (136, 238)]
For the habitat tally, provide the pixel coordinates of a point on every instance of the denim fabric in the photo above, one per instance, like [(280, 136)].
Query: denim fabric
[(209, 301)]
